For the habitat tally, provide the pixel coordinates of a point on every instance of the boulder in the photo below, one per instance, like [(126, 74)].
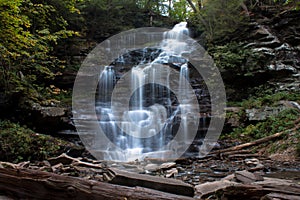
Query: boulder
[(208, 188), (247, 177)]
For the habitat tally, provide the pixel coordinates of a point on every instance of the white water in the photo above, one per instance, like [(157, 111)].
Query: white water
[(130, 137), (106, 83)]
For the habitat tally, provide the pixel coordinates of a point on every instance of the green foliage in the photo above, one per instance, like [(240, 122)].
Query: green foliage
[(18, 143), (155, 6), (235, 58), (29, 30), (106, 18), (219, 18), (283, 121), (179, 11), (269, 99), (56, 95)]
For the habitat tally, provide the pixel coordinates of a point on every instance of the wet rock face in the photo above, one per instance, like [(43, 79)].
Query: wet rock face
[(277, 38), (46, 119), (274, 35)]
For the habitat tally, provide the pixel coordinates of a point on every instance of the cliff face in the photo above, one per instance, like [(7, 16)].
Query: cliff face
[(273, 33), (278, 38)]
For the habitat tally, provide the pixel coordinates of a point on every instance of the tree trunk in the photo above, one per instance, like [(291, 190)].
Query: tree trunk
[(192, 6), (256, 142)]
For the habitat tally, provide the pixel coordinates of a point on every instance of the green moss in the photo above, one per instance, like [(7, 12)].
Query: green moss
[(269, 99), (283, 121), (19, 143), (236, 58)]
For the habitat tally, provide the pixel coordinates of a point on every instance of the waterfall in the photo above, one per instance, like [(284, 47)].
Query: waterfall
[(150, 105), (106, 83)]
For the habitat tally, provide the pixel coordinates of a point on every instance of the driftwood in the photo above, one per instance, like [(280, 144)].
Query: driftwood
[(236, 152), (276, 196), (247, 185), (33, 184), (247, 177), (237, 156), (262, 191), (173, 186), (256, 142), (68, 160)]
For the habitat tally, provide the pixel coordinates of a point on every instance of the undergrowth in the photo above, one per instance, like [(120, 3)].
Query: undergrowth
[(274, 124), (19, 143), (269, 99)]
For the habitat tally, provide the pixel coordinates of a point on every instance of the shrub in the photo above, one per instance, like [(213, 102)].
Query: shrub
[(19, 143)]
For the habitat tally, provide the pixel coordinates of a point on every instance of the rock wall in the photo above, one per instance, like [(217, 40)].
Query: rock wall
[(278, 38), (274, 33)]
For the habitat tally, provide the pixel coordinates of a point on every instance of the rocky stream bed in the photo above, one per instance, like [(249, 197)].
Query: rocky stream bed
[(232, 175)]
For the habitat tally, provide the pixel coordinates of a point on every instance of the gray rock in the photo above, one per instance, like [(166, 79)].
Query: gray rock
[(151, 167), (171, 172), (247, 177), (211, 187), (263, 113), (52, 111), (167, 165)]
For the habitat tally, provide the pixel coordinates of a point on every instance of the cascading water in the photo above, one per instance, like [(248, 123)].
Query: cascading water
[(151, 105), (106, 84)]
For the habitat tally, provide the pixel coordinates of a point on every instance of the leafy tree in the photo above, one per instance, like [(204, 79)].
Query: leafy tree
[(156, 6), (180, 10), (219, 18), (29, 30)]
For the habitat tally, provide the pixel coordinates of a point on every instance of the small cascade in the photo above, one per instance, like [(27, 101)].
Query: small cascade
[(137, 81), (183, 79), (151, 105), (106, 84)]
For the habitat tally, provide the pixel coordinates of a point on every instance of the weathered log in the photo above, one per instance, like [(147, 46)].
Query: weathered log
[(236, 152), (68, 160), (173, 186), (206, 189), (252, 187), (238, 156), (243, 191), (256, 142), (33, 184), (276, 196), (279, 185), (247, 177)]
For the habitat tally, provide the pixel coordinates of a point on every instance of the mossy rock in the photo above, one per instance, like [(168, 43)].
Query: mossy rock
[(19, 143)]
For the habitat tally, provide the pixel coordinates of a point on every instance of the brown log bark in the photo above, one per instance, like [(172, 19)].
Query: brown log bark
[(33, 184), (173, 186), (192, 6), (273, 196), (239, 156), (249, 186)]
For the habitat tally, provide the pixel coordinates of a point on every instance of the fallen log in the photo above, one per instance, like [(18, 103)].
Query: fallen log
[(236, 152), (276, 196), (246, 185), (34, 184), (247, 177), (173, 186), (239, 156), (68, 160), (256, 142)]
